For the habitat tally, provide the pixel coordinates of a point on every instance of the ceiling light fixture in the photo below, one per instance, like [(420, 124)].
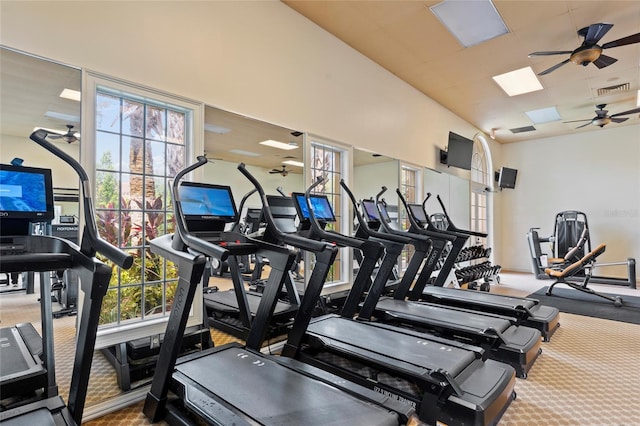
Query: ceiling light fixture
[(518, 82), (638, 99), (71, 94), (293, 163), (471, 22), (279, 145), (245, 153), (213, 128)]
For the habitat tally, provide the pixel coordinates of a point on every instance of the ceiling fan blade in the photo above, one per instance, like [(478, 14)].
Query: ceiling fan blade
[(595, 32), (578, 121), (619, 119), (631, 111), (635, 38), (584, 125), (553, 68), (604, 61), (549, 53)]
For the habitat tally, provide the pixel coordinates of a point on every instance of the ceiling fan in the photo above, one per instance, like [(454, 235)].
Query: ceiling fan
[(69, 136), (589, 51), (282, 171), (601, 119)]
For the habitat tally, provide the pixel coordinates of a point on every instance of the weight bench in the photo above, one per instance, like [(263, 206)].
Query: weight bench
[(585, 265)]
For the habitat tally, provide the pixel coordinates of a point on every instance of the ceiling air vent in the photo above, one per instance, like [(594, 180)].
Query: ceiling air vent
[(617, 88), (523, 129)]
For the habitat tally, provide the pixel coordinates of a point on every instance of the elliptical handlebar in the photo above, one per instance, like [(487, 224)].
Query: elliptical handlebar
[(184, 236), (91, 240), (292, 239)]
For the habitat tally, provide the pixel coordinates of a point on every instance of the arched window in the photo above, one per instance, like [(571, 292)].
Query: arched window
[(480, 182)]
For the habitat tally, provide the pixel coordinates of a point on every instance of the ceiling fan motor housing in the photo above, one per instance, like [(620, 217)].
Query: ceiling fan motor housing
[(585, 55)]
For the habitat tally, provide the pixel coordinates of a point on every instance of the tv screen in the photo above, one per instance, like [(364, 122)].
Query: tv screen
[(26, 193), (418, 213), (320, 205), (370, 210), (207, 202), (507, 178), (459, 152)]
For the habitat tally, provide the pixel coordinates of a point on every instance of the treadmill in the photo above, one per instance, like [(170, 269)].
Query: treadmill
[(30, 199), (499, 335), (527, 311), (232, 311), (234, 384), (446, 381)]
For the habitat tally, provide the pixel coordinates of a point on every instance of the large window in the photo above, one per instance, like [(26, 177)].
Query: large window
[(142, 139), (409, 178), (479, 196), (327, 161)]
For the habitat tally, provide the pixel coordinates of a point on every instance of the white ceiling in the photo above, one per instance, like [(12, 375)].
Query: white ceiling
[(408, 40)]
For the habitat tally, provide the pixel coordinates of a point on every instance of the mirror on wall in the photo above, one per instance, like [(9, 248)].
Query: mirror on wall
[(371, 171), (454, 191)]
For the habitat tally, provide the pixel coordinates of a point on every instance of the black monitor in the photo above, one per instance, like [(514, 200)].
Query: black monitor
[(460, 151), (26, 194), (507, 178), (384, 213), (283, 212), (207, 207), (418, 213), (320, 205), (370, 210)]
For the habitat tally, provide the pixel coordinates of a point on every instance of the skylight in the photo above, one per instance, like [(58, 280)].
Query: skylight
[(470, 21), (544, 115), (518, 82)]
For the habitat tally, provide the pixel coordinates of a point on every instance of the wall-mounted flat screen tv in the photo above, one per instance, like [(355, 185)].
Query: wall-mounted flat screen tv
[(459, 152), (507, 178)]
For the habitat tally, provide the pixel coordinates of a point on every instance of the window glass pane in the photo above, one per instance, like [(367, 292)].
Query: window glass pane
[(175, 159), (175, 127), (132, 118), (157, 156), (109, 312), (170, 287), (107, 190), (153, 300), (130, 303), (155, 123), (107, 151), (107, 113)]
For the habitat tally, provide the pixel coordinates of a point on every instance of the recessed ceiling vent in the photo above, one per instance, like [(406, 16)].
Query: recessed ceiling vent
[(611, 89), (523, 129)]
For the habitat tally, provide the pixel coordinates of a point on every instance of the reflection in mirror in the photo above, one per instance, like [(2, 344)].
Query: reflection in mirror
[(40, 93)]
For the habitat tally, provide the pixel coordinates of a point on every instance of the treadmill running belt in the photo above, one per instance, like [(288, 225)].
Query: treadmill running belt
[(41, 417), (226, 301), (480, 297), (399, 345), (275, 395), (16, 358)]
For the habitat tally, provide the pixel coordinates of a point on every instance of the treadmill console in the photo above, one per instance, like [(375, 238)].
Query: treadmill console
[(207, 208), (320, 205)]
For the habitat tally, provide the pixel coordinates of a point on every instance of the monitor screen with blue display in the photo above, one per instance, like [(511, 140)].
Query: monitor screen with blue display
[(370, 209), (26, 193), (418, 213), (206, 201), (320, 205)]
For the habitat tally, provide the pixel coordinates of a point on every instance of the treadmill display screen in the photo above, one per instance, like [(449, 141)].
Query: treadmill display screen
[(370, 210), (26, 193), (418, 213), (205, 201), (384, 214), (320, 205)]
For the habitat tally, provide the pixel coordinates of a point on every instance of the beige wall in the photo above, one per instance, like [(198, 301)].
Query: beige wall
[(597, 173)]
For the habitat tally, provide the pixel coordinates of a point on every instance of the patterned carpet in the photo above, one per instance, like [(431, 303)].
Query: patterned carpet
[(588, 374)]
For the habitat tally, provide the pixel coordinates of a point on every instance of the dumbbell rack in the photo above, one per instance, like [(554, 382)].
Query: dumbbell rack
[(469, 270)]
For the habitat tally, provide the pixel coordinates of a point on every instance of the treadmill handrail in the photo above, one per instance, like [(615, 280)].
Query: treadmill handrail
[(91, 240), (365, 226), (318, 230), (441, 235), (185, 238), (291, 239), (236, 224), (455, 228)]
